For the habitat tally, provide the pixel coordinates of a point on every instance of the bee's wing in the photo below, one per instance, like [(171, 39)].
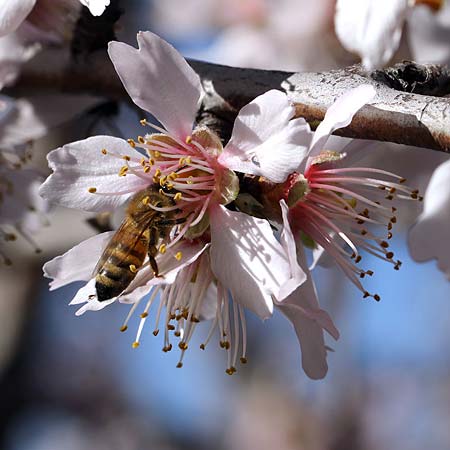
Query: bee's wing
[(129, 232)]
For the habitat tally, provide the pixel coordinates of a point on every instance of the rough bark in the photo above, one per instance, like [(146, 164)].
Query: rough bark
[(394, 115)]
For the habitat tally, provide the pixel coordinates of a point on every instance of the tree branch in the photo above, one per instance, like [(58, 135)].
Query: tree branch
[(394, 115)]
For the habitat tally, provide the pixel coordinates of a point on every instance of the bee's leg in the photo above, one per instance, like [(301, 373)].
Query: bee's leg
[(153, 250)]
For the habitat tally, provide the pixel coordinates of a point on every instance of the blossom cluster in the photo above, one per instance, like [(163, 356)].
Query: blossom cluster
[(191, 242)]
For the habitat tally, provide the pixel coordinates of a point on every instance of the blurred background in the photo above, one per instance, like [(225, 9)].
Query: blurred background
[(75, 382)]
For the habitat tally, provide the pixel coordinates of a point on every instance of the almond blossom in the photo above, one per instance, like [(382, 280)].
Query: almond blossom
[(22, 211), (339, 206), (45, 15), (215, 262), (429, 235), (373, 28)]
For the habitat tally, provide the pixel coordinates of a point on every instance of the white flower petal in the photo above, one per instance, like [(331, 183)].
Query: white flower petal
[(78, 263), (17, 201), (208, 307), (168, 266), (159, 80), (371, 28), (340, 114), (302, 309), (265, 141), (81, 165), (312, 344), (88, 295), (247, 259), (13, 13), (32, 117), (96, 7), (298, 275), (429, 238)]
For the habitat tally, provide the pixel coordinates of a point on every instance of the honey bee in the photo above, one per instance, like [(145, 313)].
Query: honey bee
[(137, 236)]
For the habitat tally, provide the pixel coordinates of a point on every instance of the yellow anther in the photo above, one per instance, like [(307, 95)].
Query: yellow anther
[(151, 162), (142, 162), (144, 315), (157, 154), (146, 200), (143, 122), (104, 151), (92, 190), (177, 196), (169, 186), (183, 346), (189, 181), (123, 171), (135, 344), (178, 256), (167, 348), (123, 328), (161, 192), (173, 176), (188, 160), (177, 334), (182, 162), (163, 180), (131, 142), (141, 140), (126, 158), (132, 268), (188, 139), (162, 248), (147, 169), (158, 172)]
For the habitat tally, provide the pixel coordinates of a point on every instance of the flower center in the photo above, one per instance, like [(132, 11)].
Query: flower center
[(339, 205), (186, 171)]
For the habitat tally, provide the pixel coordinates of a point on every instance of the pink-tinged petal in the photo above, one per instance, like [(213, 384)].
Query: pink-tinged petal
[(13, 13), (298, 275), (371, 28), (429, 238), (78, 263), (265, 141), (159, 80), (302, 309), (96, 7), (79, 166), (340, 114), (247, 259)]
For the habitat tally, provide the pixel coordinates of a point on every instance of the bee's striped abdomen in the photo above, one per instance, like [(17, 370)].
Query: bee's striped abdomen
[(115, 274)]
